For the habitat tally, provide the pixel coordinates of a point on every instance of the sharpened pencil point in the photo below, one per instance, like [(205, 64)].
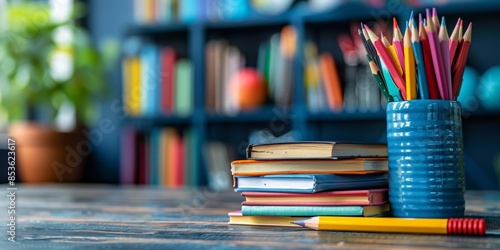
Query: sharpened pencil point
[(411, 15), (299, 222), (420, 20), (443, 23), (394, 23), (434, 12), (366, 27)]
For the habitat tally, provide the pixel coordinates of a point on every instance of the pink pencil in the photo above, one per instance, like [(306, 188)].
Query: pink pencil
[(454, 42), (435, 19), (436, 56), (397, 40), (386, 58), (445, 56)]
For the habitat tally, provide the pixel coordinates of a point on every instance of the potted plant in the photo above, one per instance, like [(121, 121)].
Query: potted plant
[(46, 82)]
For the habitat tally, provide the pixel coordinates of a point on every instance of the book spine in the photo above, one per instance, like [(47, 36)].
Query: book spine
[(302, 211)]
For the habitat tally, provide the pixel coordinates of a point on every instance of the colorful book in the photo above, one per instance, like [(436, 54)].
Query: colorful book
[(167, 78), (236, 218), (315, 210), (128, 156), (369, 197), (150, 94), (327, 166), (154, 156), (313, 183), (183, 87), (315, 150)]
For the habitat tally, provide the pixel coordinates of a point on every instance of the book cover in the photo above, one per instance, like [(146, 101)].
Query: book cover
[(299, 166), (154, 153), (331, 81), (128, 156), (236, 218), (329, 198), (315, 150), (167, 78), (183, 87), (310, 211), (302, 183)]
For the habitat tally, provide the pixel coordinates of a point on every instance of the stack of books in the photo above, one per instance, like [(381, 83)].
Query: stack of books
[(286, 182)]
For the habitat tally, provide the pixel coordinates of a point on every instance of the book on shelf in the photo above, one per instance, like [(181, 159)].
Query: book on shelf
[(308, 183), (315, 150), (369, 197), (300, 166), (236, 218), (163, 157), (310, 211), (157, 82)]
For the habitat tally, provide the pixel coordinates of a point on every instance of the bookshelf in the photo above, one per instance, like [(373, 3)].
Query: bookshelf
[(323, 29)]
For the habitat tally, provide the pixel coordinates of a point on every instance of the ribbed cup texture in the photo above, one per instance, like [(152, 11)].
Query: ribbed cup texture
[(426, 168)]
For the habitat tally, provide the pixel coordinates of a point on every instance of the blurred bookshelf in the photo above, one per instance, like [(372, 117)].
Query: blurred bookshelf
[(300, 116)]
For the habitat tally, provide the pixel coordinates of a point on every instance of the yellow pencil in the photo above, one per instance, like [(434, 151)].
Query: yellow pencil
[(392, 52), (466, 226), (410, 76)]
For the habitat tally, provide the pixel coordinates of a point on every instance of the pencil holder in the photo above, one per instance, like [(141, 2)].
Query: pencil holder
[(426, 168)]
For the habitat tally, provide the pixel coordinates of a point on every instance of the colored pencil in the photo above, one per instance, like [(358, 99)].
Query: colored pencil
[(397, 40), (411, 88), (386, 58), (454, 39), (445, 56), (465, 226), (378, 77), (426, 51), (392, 52), (435, 19), (370, 45), (436, 56), (458, 69), (423, 88), (391, 86)]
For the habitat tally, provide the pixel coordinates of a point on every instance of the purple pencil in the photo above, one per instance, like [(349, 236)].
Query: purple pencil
[(436, 56), (445, 56)]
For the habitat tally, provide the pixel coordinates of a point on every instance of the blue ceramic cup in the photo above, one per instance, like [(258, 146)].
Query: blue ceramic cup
[(426, 167)]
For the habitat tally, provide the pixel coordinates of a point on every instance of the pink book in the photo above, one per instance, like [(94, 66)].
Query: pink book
[(330, 198)]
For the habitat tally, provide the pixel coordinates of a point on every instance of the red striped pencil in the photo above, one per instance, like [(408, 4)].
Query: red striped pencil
[(458, 69), (386, 58), (426, 51)]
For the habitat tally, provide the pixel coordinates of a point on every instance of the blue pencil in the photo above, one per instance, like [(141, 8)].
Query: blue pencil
[(419, 60)]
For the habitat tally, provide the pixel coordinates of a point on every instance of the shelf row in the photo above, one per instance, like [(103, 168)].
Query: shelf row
[(344, 11), (268, 115)]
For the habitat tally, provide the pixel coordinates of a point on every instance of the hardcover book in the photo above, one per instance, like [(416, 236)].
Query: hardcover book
[(315, 150), (314, 210), (328, 198), (299, 166), (236, 218), (312, 183)]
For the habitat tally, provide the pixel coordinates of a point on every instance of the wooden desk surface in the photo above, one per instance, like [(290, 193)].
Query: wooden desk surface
[(111, 217)]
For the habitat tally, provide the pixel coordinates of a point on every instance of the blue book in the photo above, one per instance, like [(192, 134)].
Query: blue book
[(150, 80), (154, 154), (309, 183)]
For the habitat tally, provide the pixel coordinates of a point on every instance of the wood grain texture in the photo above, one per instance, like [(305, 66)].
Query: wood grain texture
[(111, 217)]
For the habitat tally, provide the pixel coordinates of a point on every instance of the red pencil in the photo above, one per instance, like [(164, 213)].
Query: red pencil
[(384, 55), (458, 69), (397, 40), (429, 71), (454, 39)]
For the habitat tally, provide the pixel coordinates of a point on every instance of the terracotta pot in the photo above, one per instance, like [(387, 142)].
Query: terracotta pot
[(44, 154)]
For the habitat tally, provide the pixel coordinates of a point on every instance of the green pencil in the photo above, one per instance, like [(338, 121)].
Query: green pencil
[(378, 77)]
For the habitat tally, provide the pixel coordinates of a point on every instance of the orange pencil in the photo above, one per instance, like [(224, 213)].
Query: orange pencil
[(397, 40), (392, 52), (458, 69), (386, 58)]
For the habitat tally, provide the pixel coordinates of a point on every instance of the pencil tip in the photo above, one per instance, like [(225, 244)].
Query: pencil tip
[(420, 20), (362, 25), (411, 15), (434, 12), (367, 28), (443, 23), (470, 26), (299, 222), (428, 13)]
